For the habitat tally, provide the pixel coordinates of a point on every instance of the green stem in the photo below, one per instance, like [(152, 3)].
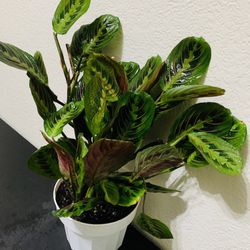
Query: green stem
[(63, 64), (59, 102)]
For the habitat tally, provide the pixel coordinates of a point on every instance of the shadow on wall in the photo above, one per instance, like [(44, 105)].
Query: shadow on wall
[(233, 189)]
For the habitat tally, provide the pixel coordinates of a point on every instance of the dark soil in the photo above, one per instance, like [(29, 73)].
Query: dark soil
[(102, 213)]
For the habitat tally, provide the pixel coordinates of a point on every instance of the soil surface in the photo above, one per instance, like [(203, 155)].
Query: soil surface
[(102, 213)]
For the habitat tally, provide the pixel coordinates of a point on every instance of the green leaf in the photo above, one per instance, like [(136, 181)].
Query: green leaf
[(187, 63), (67, 13), (154, 227), (171, 97), (44, 162), (96, 112), (132, 71), (196, 160), (76, 209), (106, 156), (112, 74), (152, 188), (55, 123), (149, 73), (135, 117), (95, 36), (17, 58), (40, 63), (130, 191), (207, 117), (156, 160), (217, 152), (111, 192), (43, 97), (237, 134), (81, 152)]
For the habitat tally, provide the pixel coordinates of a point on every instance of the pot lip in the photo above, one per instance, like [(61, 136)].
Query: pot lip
[(56, 186)]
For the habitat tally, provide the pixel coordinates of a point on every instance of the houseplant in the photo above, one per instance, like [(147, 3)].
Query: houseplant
[(111, 106)]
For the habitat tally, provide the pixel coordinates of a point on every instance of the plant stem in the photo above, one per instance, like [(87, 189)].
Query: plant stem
[(59, 102), (143, 204), (70, 59), (63, 64)]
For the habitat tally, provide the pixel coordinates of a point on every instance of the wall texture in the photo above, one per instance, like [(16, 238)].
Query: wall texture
[(212, 212)]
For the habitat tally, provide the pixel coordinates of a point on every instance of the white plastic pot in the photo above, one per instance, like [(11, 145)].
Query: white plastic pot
[(85, 236)]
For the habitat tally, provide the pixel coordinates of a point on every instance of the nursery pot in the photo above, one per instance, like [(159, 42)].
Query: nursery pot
[(85, 236)]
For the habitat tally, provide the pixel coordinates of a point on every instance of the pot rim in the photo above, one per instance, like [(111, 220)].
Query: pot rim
[(124, 219)]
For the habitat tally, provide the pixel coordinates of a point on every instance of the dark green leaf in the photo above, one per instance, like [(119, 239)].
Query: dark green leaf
[(172, 96), (15, 57), (152, 188), (40, 63), (67, 13), (111, 192), (76, 209), (95, 36), (149, 73), (106, 156), (187, 64), (44, 162), (55, 123), (217, 152), (156, 160), (43, 97), (207, 117), (135, 117), (132, 71), (154, 227)]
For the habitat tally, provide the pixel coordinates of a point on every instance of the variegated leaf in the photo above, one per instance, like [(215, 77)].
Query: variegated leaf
[(67, 13), (15, 57)]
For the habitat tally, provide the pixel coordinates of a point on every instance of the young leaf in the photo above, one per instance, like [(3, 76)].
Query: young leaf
[(43, 97), (106, 156), (67, 13), (156, 160), (76, 209), (187, 64), (40, 63), (132, 71), (95, 36), (207, 117), (154, 227), (217, 152), (64, 150), (172, 96), (81, 152), (15, 57), (237, 134), (135, 117), (149, 73), (111, 192), (152, 188), (55, 123), (44, 162)]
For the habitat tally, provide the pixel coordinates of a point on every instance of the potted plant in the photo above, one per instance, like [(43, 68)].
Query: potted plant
[(111, 106)]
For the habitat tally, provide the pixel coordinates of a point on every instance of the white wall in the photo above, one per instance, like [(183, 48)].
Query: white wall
[(213, 210)]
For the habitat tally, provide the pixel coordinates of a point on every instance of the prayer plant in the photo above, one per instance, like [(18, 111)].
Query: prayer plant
[(112, 105)]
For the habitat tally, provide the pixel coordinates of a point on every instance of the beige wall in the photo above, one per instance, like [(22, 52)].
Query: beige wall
[(213, 210)]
